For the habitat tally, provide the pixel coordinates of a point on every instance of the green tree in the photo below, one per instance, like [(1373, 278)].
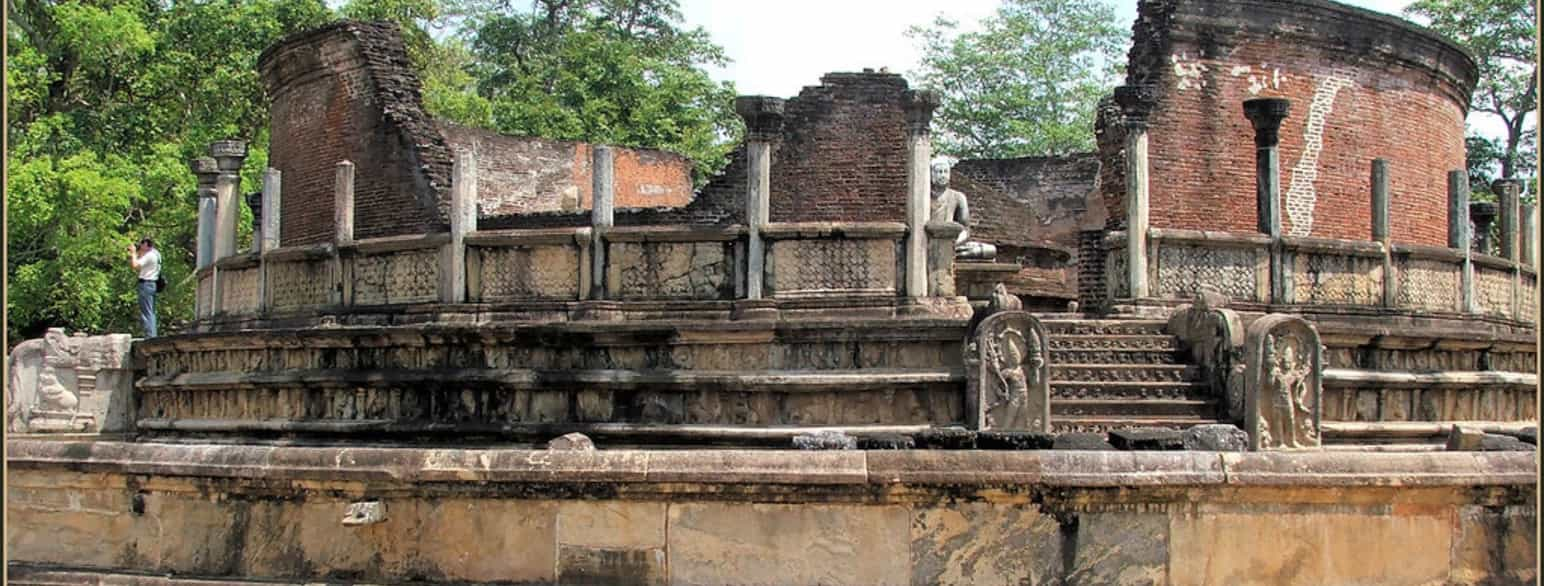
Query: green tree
[(1027, 83), (621, 72), (1500, 34), (108, 100)]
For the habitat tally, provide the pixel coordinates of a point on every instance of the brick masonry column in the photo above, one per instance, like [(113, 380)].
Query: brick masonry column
[(1380, 227), (1266, 115), (1459, 234), (763, 124), (208, 173), (1136, 103), (228, 155), (463, 220), (602, 215), (919, 106), (1508, 192)]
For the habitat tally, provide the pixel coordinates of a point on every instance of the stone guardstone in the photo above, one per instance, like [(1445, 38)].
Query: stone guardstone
[(1283, 383), (70, 384), (1148, 439), (1464, 439), (1007, 367), (1081, 441), (1216, 437), (825, 440), (573, 442)]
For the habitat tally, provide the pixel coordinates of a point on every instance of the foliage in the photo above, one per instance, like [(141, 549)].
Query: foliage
[(1501, 35), (1027, 83), (108, 101)]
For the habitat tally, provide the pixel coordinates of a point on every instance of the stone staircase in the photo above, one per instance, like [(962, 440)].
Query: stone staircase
[(1123, 373)]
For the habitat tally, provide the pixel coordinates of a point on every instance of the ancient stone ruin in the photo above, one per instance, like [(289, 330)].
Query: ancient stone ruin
[(1255, 316)]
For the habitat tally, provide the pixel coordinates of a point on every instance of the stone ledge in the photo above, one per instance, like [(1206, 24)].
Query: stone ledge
[(605, 379), (494, 238), (1343, 377), (959, 468), (855, 230), (395, 243)]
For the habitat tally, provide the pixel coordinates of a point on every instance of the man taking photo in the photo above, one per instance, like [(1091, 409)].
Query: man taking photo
[(147, 260)]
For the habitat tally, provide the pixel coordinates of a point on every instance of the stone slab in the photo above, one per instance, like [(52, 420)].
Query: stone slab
[(1309, 548), (1120, 548), (985, 543), (739, 543)]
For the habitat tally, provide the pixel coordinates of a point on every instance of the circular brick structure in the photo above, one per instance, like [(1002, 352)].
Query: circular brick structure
[(1362, 86)]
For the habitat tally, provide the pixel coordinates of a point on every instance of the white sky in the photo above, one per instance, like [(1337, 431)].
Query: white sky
[(779, 47)]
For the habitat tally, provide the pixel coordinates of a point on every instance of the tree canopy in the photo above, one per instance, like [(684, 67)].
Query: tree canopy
[(1027, 83), (109, 99), (1501, 35)]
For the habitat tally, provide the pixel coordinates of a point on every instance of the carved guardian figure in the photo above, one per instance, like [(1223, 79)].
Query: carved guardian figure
[(1283, 384), (1008, 385)]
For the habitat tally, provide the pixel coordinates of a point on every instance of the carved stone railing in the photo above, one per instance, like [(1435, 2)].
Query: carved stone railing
[(203, 294), (392, 270), (301, 277), (528, 265), (674, 262), (1333, 272), (239, 286), (1428, 278), (1180, 262), (809, 259)]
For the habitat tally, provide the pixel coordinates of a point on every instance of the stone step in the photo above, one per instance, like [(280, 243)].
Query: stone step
[(1128, 391), (1199, 408), (1165, 373), (1117, 356), (1073, 424), (1103, 327), (1143, 342)]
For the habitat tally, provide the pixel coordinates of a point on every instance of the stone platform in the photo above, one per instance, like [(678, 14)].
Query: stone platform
[(119, 513)]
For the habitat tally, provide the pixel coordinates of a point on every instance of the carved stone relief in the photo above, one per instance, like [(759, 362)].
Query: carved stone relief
[(1429, 285), (529, 272), (1493, 291), (669, 270), (68, 384), (238, 291), (399, 277), (1215, 338), (299, 284), (1008, 374), (832, 265), (1337, 279), (1283, 385), (1183, 269), (204, 296)]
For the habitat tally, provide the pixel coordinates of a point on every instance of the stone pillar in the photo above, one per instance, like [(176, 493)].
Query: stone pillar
[(1527, 234), (1481, 215), (1136, 103), (270, 210), (1380, 227), (343, 203), (228, 155), (1508, 192), (763, 124), (602, 215), (463, 219), (255, 203), (919, 106), (1266, 114), (207, 172), (1459, 234)]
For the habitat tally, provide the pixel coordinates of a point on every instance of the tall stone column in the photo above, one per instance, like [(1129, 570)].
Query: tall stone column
[(1481, 215), (270, 209), (602, 214), (208, 173), (1266, 114), (1508, 193), (1136, 103), (919, 105), (1459, 233), (1380, 227), (463, 220), (763, 124), (343, 203), (228, 155)]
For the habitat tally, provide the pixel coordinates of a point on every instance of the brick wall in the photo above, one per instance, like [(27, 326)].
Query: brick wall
[(345, 91), (526, 175), (843, 151), (1363, 86), (1029, 199)]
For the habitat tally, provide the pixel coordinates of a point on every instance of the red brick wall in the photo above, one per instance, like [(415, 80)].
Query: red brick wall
[(526, 175), (327, 89), (1362, 86), (843, 152)]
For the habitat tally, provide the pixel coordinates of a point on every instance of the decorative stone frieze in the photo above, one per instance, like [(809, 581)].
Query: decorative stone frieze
[(69, 384)]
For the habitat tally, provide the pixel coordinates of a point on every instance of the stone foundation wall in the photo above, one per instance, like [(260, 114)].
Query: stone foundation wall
[(717, 517)]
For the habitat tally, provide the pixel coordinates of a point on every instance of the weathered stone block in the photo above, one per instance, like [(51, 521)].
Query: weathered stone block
[(1014, 440), (825, 440), (1311, 548), (1216, 438), (985, 543), (572, 442), (737, 543), (1147, 439), (1081, 441), (1121, 548)]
